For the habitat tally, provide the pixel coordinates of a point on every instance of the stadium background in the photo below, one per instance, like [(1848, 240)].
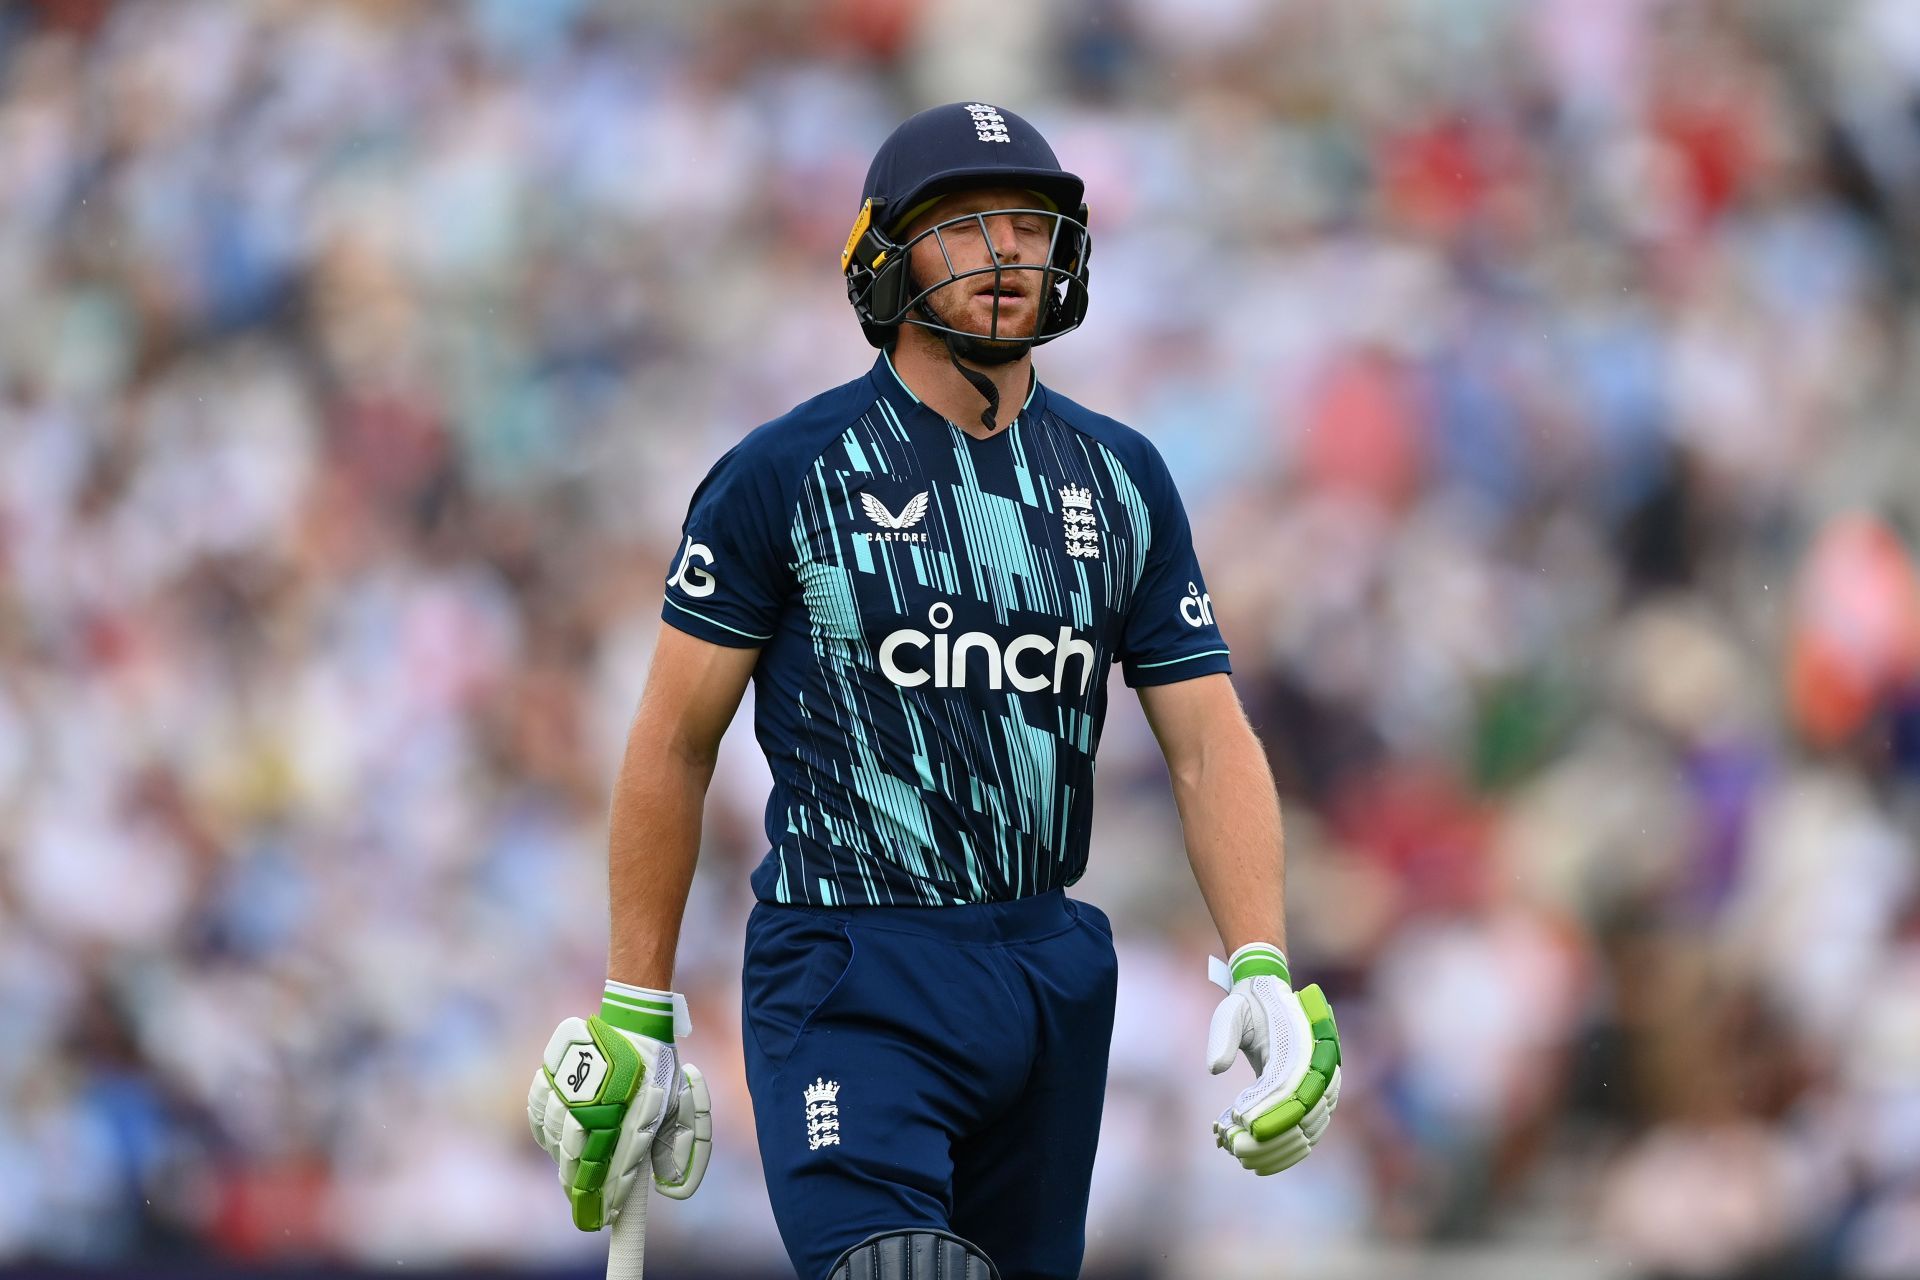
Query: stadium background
[(1541, 378)]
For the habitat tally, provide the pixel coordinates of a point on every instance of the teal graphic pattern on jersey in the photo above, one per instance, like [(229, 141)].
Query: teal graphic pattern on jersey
[(935, 616)]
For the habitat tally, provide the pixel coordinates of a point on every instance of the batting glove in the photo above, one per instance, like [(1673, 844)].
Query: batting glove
[(612, 1096), (1294, 1046)]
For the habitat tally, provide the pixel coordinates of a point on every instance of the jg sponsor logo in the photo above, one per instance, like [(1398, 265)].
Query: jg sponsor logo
[(991, 661), (1197, 606), (688, 575)]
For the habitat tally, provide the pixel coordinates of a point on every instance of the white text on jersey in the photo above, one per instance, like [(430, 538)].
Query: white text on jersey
[(1196, 607), (695, 582), (950, 656)]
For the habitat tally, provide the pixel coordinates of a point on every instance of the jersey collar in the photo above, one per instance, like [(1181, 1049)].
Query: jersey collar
[(888, 382)]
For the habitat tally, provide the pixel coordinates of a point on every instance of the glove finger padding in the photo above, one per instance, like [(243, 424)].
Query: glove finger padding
[(593, 1108), (684, 1141), (1314, 1123), (1290, 1147), (1281, 1153), (1275, 1122)]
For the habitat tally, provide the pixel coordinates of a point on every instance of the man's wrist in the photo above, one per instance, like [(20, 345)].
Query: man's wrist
[(1257, 958), (644, 1011)]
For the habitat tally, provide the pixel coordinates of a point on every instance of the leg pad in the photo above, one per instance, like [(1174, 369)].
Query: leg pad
[(913, 1254)]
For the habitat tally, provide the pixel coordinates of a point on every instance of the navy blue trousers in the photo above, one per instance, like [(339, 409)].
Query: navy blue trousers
[(930, 1067)]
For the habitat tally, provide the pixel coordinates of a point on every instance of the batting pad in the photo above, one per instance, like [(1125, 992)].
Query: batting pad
[(913, 1255)]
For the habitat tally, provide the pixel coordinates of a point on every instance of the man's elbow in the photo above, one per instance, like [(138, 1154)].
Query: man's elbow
[(676, 748), (1191, 766), (1223, 756)]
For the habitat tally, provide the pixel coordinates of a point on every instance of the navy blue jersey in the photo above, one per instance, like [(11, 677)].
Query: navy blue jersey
[(935, 616)]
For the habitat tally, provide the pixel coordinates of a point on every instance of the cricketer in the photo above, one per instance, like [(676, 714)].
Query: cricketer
[(926, 572)]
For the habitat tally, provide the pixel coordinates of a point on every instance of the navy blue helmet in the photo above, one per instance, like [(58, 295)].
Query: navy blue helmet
[(962, 146)]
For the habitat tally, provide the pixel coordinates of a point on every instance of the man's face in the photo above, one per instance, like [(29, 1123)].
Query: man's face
[(1021, 240)]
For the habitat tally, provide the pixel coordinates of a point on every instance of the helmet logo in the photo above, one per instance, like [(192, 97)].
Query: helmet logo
[(988, 124)]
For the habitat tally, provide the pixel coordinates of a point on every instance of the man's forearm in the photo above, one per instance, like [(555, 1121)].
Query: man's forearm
[(1231, 815), (653, 843)]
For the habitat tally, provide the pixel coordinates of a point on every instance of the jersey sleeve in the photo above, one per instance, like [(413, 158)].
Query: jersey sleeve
[(1170, 634), (729, 576)]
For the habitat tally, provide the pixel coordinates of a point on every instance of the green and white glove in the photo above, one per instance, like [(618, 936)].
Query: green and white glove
[(1294, 1046), (613, 1095)]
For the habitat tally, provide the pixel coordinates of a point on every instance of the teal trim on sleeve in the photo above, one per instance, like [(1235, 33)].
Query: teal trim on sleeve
[(714, 621), (1210, 653)]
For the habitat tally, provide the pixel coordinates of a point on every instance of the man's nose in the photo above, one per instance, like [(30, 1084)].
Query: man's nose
[(1005, 241)]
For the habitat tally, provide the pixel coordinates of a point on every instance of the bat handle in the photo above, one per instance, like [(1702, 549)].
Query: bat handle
[(627, 1250)]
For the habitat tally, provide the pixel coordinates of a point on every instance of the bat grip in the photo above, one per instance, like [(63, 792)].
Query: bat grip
[(627, 1250)]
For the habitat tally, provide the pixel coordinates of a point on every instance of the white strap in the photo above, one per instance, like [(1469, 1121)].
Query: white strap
[(682, 1020), (1218, 973)]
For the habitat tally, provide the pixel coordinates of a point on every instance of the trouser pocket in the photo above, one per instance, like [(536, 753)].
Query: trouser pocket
[(794, 961)]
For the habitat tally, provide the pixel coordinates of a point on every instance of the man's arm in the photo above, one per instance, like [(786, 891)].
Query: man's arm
[(1228, 806), (693, 689), (613, 1103), (1231, 813)]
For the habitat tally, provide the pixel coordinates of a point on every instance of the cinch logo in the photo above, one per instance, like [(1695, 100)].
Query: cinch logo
[(950, 657), (1196, 607)]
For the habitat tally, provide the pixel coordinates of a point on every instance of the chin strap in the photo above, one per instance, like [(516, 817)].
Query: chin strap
[(978, 351), (990, 415)]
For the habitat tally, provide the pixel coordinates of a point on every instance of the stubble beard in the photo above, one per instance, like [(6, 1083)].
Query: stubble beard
[(1015, 335)]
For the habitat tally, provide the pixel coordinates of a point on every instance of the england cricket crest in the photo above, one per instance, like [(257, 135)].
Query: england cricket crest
[(1082, 529), (823, 1114)]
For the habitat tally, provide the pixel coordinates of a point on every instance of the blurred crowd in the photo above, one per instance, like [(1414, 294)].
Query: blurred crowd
[(1543, 380)]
